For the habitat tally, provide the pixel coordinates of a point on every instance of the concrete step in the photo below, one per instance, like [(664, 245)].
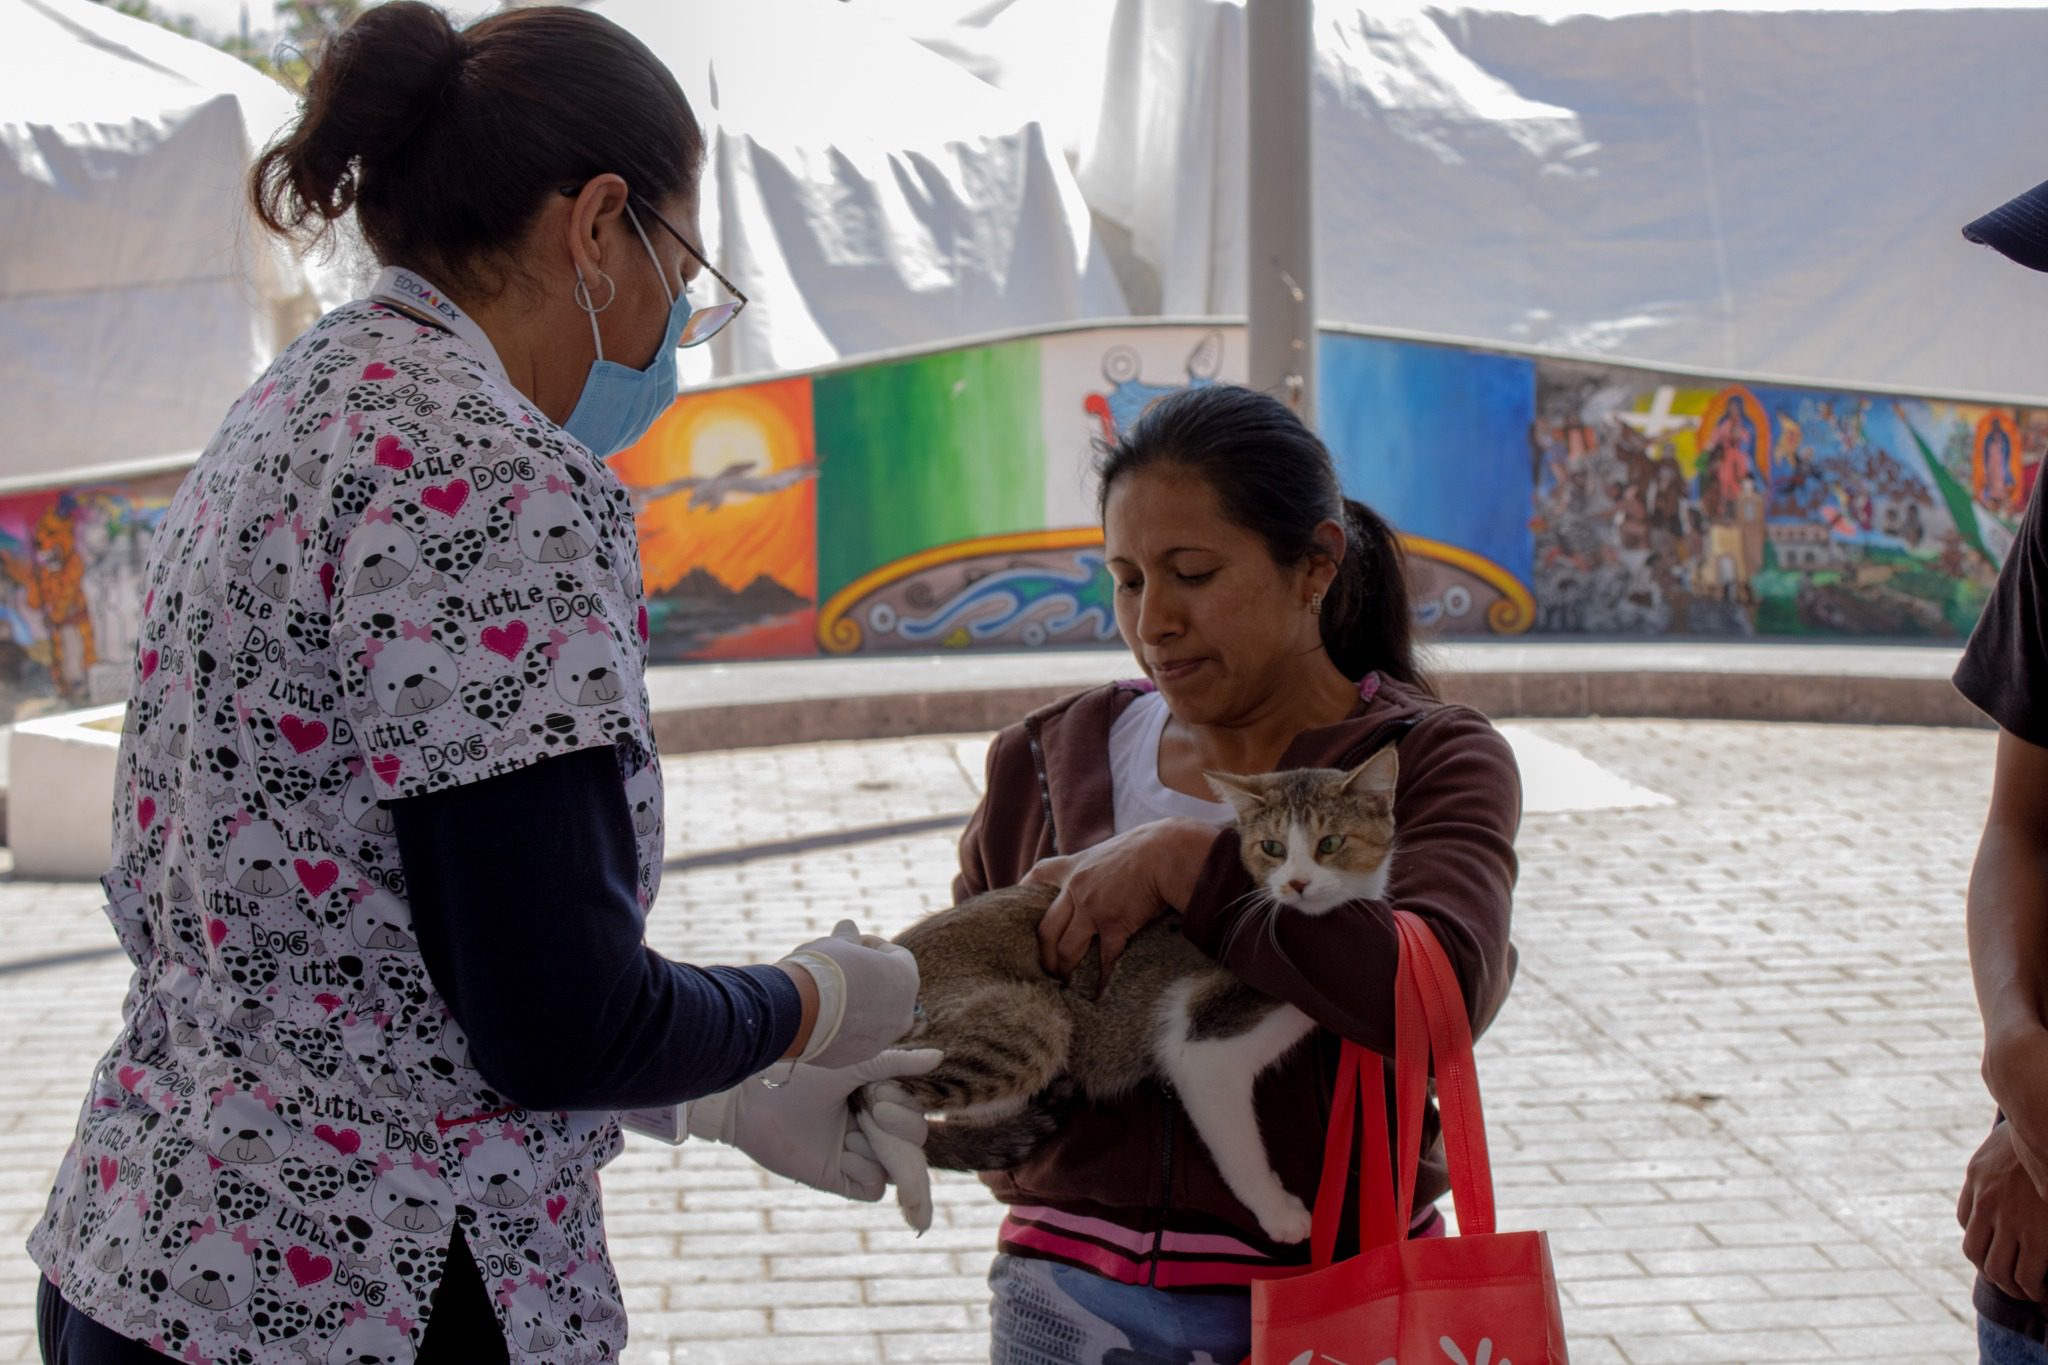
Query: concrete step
[(748, 705), (700, 707)]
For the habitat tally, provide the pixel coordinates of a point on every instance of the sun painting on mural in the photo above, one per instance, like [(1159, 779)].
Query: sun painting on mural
[(725, 488)]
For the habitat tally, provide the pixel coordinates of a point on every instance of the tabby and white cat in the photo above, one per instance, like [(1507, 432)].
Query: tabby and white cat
[(1019, 1045)]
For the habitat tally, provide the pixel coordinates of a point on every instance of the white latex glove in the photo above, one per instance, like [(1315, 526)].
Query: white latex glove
[(804, 1128), (867, 991)]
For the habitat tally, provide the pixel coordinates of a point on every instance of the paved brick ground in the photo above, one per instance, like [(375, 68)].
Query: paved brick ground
[(1736, 1079)]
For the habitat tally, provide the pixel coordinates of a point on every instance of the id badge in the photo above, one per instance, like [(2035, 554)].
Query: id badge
[(668, 1123)]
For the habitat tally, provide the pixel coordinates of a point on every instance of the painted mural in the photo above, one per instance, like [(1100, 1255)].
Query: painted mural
[(946, 501), (1032, 589), (951, 496), (725, 486), (1432, 436), (1667, 505), (71, 587)]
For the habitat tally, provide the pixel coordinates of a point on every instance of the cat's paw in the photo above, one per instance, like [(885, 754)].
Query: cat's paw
[(902, 1159), (1285, 1219)]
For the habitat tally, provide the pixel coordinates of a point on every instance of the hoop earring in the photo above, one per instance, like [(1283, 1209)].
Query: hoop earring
[(1315, 605), (582, 296), (583, 293)]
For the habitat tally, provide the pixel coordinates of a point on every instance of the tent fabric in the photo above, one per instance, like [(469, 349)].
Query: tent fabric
[(1762, 189), (136, 299), (1758, 188), (865, 193)]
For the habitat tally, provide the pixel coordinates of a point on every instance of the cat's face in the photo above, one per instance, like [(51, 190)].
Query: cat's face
[(1319, 837)]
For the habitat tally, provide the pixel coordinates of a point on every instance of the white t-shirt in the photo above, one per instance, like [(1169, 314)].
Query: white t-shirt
[(1134, 772)]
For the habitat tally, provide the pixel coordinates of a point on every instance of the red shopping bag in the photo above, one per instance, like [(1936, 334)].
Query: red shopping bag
[(1480, 1298)]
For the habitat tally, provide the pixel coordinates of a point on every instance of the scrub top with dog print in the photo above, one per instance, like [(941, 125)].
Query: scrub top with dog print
[(388, 574)]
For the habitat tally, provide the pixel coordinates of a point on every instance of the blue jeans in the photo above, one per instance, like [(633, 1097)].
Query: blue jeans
[(1050, 1314), (2001, 1346)]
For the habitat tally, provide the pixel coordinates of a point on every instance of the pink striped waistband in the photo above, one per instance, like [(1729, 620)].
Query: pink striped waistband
[(1168, 1259)]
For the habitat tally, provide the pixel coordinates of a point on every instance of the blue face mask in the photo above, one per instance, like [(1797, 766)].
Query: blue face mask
[(619, 403)]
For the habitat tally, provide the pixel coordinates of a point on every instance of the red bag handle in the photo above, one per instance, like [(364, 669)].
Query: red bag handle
[(1377, 1221), (1457, 1078), (1329, 1210), (1411, 1071), (1430, 1020)]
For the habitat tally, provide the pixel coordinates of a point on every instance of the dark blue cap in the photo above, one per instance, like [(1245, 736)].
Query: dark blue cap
[(2018, 229)]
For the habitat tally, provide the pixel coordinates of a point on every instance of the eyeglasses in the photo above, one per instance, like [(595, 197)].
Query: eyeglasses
[(703, 323)]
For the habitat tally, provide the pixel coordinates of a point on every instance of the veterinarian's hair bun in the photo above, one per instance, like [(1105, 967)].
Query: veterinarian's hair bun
[(444, 143)]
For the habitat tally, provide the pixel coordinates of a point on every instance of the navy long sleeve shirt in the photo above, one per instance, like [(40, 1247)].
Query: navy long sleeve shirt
[(522, 889)]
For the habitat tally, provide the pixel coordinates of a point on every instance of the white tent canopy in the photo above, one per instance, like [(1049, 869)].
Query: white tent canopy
[(136, 299), (865, 193), (1758, 187)]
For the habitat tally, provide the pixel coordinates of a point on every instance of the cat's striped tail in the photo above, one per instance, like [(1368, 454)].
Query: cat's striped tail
[(956, 1145)]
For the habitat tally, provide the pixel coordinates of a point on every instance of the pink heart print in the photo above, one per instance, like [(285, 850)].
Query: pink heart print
[(345, 1140), (447, 499), (131, 1076), (149, 663), (318, 878), (145, 812), (505, 641), (303, 735), (327, 1002), (327, 581), (386, 767), (307, 1268), (556, 1203), (392, 453), (110, 1171), (216, 931), (377, 369), (643, 623)]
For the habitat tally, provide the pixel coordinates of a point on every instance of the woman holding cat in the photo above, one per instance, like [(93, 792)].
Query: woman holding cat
[(1271, 619)]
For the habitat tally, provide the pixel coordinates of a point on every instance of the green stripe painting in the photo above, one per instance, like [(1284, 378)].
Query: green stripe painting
[(925, 452)]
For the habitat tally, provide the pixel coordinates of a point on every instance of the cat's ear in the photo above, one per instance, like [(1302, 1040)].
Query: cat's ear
[(1375, 776), (1246, 794)]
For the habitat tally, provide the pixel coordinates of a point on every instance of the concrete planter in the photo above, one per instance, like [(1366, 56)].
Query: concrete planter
[(60, 809)]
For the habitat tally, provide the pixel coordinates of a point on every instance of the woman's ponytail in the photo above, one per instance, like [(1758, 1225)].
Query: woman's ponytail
[(1368, 621)]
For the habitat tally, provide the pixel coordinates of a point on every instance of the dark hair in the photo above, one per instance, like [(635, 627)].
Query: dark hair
[(1274, 477), (445, 143)]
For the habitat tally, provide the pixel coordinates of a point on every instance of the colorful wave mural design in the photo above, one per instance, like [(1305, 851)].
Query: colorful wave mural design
[(945, 501), (1030, 590)]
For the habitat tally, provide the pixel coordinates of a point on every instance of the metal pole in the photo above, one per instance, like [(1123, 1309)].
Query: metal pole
[(1280, 304)]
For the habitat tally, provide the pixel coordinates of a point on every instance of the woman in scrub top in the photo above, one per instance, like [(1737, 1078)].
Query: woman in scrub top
[(389, 816)]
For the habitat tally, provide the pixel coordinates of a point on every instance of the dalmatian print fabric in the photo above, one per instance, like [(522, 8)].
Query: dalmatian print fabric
[(388, 575)]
